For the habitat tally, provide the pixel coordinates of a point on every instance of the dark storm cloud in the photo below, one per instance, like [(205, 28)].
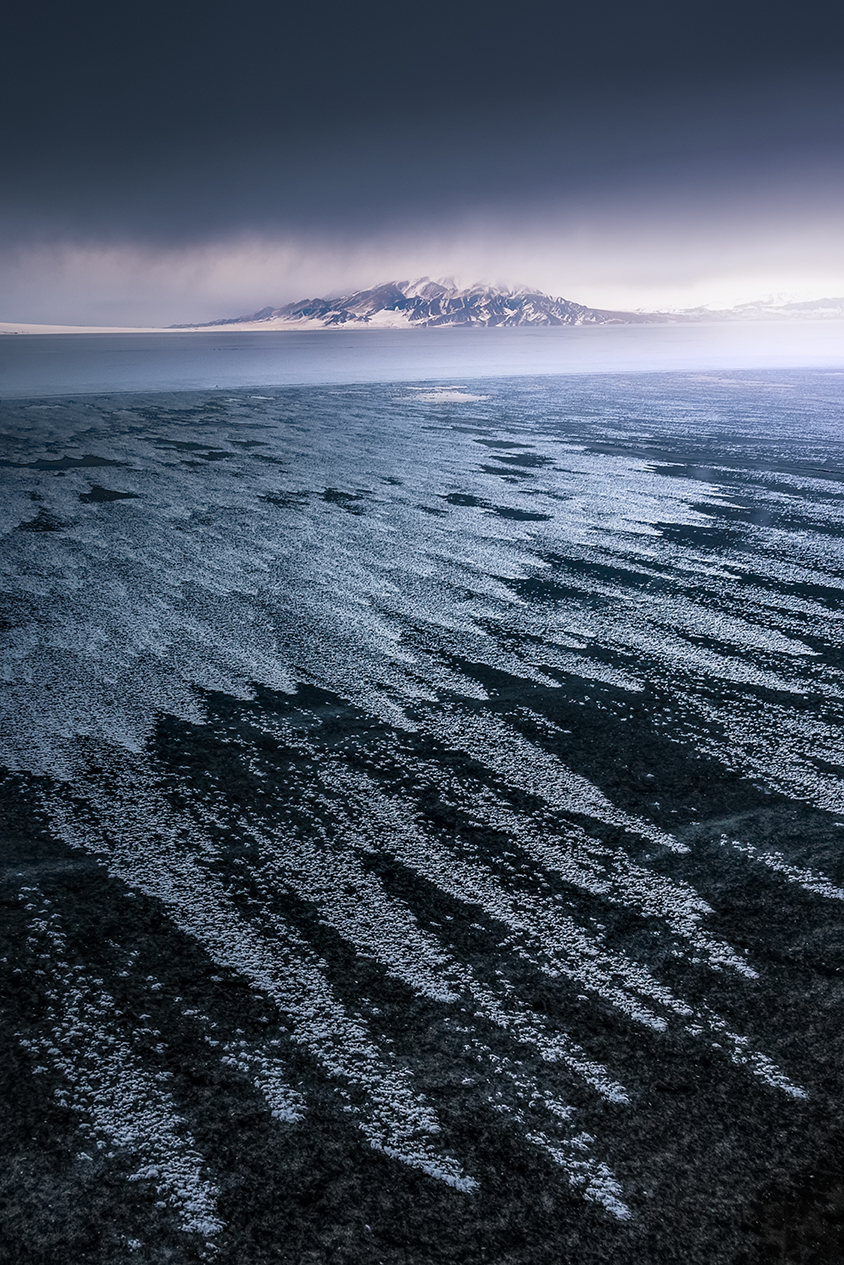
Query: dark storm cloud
[(177, 162), (144, 75), (181, 122)]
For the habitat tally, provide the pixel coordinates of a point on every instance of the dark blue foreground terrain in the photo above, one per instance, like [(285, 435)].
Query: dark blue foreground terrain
[(423, 823)]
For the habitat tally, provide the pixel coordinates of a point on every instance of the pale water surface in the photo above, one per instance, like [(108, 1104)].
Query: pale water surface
[(47, 364)]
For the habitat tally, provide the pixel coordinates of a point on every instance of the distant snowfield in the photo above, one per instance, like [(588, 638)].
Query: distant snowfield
[(385, 320), (821, 325), (22, 327)]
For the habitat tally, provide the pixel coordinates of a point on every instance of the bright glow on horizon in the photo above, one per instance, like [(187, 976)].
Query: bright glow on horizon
[(634, 266)]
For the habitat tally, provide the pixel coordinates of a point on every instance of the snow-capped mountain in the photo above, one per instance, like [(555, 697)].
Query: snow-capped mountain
[(425, 303), (399, 304)]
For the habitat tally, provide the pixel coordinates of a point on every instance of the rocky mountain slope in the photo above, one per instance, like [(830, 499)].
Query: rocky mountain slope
[(432, 303)]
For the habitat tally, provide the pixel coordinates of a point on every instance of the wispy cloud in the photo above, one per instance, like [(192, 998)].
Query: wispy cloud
[(602, 259)]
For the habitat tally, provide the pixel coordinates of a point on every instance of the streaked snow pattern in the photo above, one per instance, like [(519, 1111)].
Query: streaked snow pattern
[(104, 1080), (353, 684)]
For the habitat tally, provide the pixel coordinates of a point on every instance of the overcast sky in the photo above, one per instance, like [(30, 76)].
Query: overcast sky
[(182, 161)]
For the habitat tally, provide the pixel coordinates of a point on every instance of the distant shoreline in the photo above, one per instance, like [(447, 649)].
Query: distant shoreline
[(25, 328), (427, 304), (264, 327)]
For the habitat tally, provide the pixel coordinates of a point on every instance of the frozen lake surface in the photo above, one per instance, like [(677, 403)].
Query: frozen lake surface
[(423, 810)]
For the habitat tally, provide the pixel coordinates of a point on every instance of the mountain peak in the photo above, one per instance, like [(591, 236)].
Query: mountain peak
[(425, 303)]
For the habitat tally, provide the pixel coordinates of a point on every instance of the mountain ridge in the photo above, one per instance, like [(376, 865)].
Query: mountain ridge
[(427, 304), (424, 303)]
